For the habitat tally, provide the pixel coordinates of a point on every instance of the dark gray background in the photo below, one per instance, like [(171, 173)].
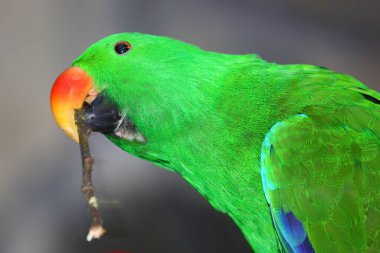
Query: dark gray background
[(146, 209)]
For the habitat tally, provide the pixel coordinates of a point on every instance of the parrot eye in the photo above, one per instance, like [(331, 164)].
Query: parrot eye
[(122, 47)]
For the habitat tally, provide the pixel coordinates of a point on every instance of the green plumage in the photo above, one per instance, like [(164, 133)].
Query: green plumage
[(206, 115)]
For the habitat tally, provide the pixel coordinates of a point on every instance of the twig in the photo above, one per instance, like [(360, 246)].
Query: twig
[(96, 229)]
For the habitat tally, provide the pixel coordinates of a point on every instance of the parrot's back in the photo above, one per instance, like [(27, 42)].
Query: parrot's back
[(321, 166)]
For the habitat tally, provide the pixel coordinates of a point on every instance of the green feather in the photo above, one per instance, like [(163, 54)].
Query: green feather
[(205, 115)]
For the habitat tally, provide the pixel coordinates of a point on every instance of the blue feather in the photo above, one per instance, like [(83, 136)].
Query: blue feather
[(292, 232)]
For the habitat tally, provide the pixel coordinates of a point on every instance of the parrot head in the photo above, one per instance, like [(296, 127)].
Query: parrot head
[(117, 76)]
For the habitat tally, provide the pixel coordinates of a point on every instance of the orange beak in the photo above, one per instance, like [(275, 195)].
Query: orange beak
[(69, 91)]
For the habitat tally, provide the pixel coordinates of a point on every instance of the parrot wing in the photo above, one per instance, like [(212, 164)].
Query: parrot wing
[(321, 178)]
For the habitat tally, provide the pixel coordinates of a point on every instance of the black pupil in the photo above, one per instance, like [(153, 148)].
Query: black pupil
[(121, 48)]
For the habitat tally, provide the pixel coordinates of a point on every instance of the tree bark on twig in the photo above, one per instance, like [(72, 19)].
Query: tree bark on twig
[(96, 229)]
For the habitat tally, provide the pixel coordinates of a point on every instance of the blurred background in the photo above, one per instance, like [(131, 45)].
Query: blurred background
[(146, 209)]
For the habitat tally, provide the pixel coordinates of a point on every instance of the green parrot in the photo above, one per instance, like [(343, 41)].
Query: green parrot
[(290, 152)]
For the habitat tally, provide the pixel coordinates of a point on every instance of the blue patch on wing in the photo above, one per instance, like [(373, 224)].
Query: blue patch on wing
[(292, 232)]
